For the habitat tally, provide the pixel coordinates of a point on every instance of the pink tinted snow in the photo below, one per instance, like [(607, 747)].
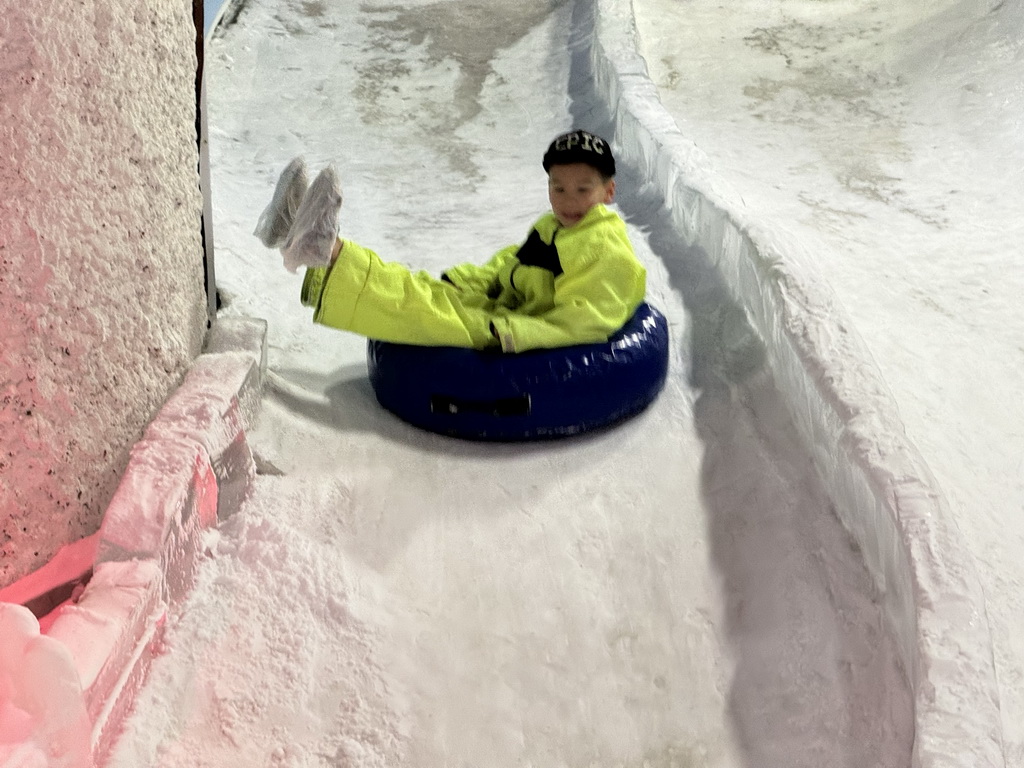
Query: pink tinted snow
[(63, 694), (43, 720), (110, 631), (207, 407), (167, 496), (43, 590)]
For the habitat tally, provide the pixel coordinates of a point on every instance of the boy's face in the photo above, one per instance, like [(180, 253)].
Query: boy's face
[(576, 188)]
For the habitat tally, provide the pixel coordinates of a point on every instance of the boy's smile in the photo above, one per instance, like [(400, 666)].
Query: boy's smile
[(574, 189)]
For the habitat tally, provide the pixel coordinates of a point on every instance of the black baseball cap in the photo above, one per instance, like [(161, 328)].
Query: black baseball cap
[(581, 147)]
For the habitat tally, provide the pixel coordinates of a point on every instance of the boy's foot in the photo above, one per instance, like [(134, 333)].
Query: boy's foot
[(315, 230), (276, 219)]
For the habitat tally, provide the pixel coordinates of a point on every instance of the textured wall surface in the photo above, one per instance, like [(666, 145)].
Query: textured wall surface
[(102, 304)]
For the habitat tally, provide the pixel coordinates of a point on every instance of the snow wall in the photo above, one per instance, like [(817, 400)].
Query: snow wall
[(883, 491), (102, 303)]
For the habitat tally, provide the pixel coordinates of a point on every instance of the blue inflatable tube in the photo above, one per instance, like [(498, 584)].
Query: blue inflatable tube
[(527, 396)]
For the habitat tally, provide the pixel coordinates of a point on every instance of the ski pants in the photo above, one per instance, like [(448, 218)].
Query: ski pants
[(389, 302)]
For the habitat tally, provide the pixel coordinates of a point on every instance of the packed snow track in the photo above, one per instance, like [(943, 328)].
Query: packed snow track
[(674, 591)]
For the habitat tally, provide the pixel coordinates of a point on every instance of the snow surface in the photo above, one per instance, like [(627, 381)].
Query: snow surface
[(889, 140), (672, 592)]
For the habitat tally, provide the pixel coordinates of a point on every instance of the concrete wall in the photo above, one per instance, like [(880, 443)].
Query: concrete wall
[(102, 306)]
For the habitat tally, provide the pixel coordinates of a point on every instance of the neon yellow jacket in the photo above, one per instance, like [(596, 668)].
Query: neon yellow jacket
[(527, 296)]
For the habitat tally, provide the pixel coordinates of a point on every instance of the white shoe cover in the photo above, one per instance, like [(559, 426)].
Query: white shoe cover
[(315, 229), (276, 219)]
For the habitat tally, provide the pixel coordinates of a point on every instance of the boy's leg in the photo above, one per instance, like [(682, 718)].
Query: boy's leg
[(315, 229), (276, 219), (386, 301)]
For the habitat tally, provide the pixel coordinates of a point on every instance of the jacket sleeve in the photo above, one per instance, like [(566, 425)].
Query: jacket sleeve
[(589, 305), (480, 278)]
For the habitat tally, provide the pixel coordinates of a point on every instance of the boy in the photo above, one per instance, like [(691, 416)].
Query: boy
[(575, 280)]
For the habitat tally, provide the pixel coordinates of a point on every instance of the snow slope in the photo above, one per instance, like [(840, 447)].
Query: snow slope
[(675, 591), (886, 139)]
